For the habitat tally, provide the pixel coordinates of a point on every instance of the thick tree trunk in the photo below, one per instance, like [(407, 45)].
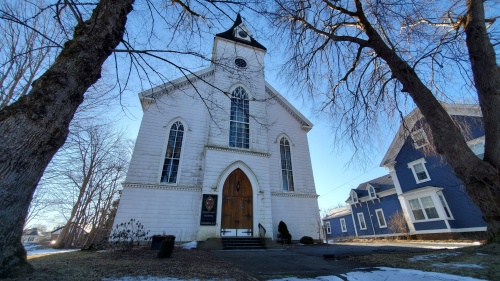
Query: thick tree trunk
[(36, 126), (485, 190), (482, 178)]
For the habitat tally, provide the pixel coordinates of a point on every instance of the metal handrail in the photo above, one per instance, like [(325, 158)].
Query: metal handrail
[(262, 231)]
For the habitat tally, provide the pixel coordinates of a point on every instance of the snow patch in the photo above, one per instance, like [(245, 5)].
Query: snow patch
[(49, 251), (463, 265), (387, 274), (190, 245), (434, 256)]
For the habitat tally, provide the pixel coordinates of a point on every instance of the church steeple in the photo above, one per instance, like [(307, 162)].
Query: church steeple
[(240, 33)]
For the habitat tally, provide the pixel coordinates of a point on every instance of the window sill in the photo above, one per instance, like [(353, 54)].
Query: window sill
[(428, 220), (422, 181)]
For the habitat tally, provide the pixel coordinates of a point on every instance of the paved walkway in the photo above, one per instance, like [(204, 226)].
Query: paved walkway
[(309, 261)]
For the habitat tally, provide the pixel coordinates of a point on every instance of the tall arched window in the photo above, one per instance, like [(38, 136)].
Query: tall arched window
[(286, 165), (239, 127), (173, 154)]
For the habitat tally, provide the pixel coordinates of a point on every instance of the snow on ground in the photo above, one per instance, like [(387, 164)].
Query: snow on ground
[(35, 249), (190, 245), (434, 256), (378, 274), (465, 265), (387, 274)]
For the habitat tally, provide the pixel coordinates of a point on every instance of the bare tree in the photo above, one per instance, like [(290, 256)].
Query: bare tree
[(366, 61), (24, 53), (95, 162), (36, 125), (397, 224)]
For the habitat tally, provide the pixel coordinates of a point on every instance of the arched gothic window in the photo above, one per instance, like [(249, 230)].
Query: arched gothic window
[(286, 165), (239, 128), (173, 154)]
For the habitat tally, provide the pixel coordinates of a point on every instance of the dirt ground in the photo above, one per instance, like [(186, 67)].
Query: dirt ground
[(480, 262), (91, 265)]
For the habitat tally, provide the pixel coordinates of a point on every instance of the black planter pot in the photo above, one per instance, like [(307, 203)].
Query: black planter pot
[(157, 239), (166, 248)]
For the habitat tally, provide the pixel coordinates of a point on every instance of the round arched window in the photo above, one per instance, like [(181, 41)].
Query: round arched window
[(240, 62)]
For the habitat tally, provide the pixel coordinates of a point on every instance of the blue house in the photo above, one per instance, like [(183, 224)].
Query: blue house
[(420, 184)]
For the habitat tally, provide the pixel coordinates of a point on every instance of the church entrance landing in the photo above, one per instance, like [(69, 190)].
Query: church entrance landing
[(237, 207)]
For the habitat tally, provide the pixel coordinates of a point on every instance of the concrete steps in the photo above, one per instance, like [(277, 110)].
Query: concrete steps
[(237, 243)]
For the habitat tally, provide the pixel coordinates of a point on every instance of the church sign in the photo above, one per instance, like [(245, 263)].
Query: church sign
[(208, 209)]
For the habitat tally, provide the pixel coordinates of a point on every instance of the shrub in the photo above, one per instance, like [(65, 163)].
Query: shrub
[(126, 235), (283, 234), (397, 224), (306, 240)]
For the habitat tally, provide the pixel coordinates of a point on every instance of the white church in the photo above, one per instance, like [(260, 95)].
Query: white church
[(220, 153)]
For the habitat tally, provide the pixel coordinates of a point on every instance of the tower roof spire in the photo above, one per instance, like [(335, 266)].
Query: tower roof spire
[(241, 34)]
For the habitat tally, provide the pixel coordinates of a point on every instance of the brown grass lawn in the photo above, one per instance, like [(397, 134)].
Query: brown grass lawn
[(91, 265), (202, 264)]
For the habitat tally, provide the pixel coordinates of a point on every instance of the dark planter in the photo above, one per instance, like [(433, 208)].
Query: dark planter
[(166, 248), (157, 239)]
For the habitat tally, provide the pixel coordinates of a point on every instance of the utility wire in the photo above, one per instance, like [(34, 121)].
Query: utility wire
[(349, 181)]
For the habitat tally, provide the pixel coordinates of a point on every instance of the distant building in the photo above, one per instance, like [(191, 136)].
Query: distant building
[(421, 185), (34, 235)]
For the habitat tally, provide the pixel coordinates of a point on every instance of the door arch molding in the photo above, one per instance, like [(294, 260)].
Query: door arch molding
[(255, 191)]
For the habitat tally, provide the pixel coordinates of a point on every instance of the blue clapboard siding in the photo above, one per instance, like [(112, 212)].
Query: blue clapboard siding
[(464, 212), (466, 216)]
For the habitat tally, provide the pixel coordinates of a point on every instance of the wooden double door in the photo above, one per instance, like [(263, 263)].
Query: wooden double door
[(237, 205)]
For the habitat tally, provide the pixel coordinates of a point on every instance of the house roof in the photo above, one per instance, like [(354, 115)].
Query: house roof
[(32, 232), (306, 124), (380, 184), (148, 96), (338, 212), (411, 119), (230, 34)]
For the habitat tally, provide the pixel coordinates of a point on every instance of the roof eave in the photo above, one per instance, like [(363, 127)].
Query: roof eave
[(306, 124)]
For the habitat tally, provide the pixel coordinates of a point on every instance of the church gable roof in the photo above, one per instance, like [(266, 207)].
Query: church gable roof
[(240, 33), (306, 124), (149, 96)]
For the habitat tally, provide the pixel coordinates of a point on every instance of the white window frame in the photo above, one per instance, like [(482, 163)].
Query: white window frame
[(361, 217), (383, 217), (426, 218), (172, 158), (412, 165), (414, 137), (354, 197), (328, 227), (475, 142), (445, 205), (370, 189), (287, 168), (343, 225), (239, 126)]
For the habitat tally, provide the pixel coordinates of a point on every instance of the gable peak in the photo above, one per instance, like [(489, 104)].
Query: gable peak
[(240, 33)]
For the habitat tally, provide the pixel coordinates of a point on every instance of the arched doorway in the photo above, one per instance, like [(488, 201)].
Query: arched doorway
[(237, 205)]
